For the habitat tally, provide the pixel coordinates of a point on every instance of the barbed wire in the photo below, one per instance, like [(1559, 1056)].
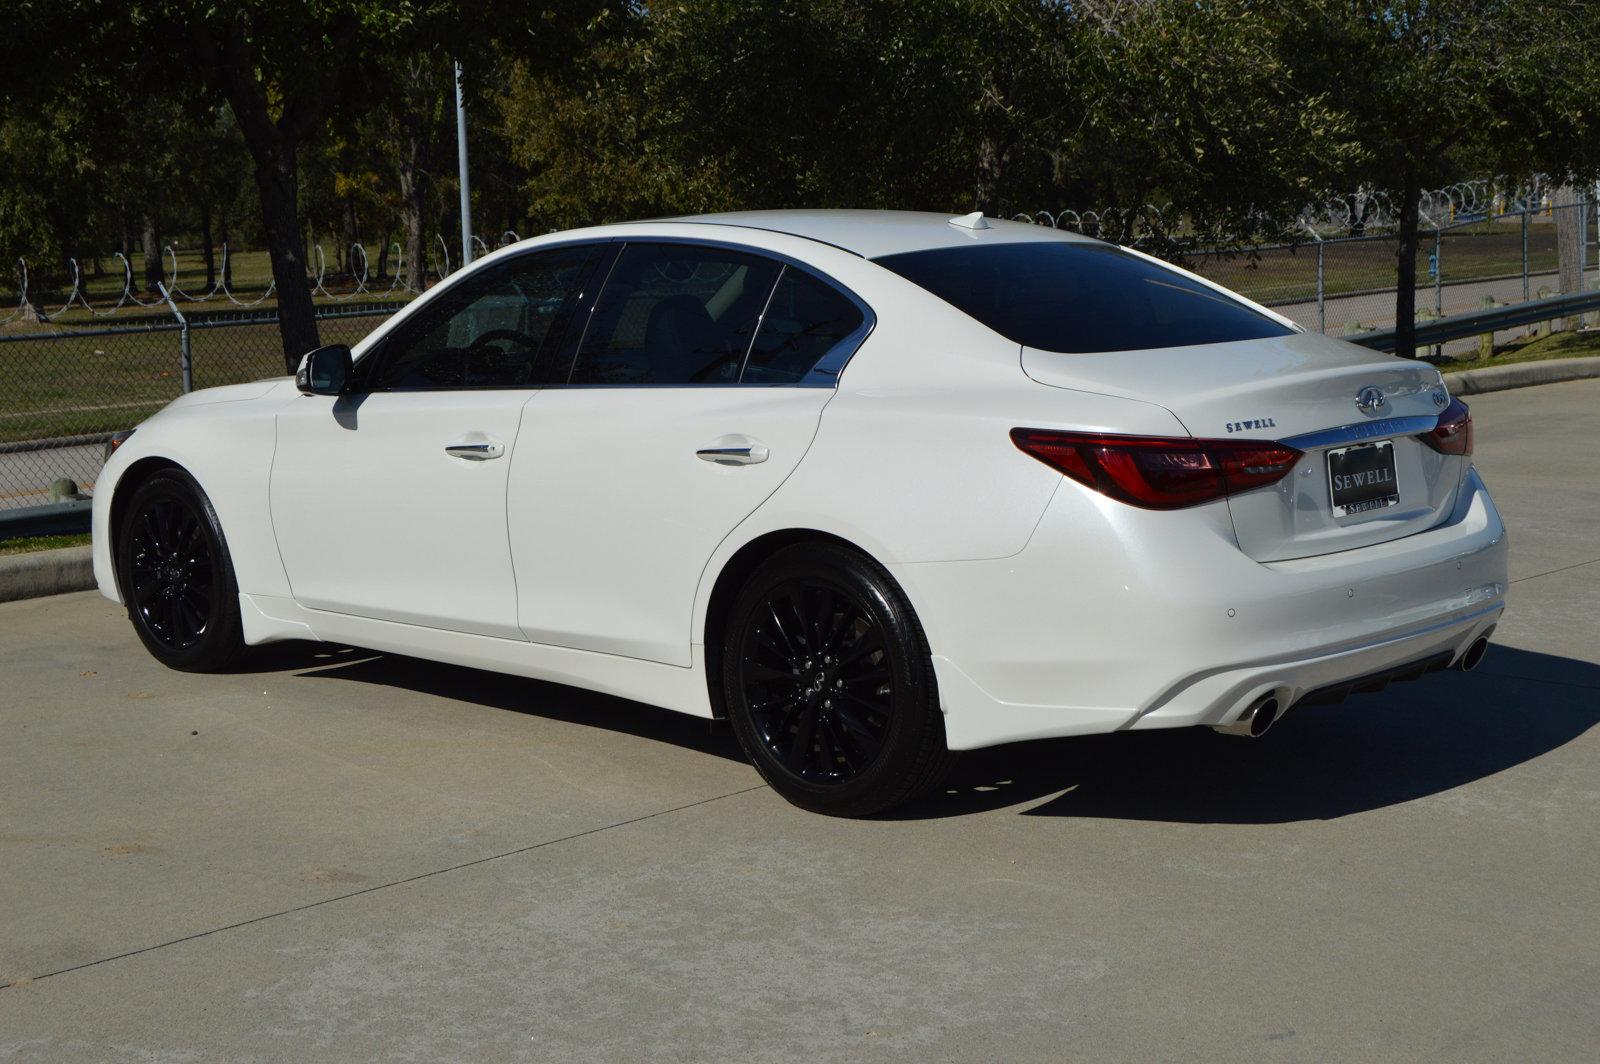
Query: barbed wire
[(1361, 212), (221, 287)]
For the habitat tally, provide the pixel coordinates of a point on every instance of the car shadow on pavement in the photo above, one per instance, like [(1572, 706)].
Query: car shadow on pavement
[(1321, 762), (552, 701)]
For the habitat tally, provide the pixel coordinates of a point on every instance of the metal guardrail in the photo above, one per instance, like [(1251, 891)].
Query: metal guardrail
[(1489, 320)]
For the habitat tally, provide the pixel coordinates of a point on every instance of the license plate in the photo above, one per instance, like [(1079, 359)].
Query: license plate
[(1361, 479)]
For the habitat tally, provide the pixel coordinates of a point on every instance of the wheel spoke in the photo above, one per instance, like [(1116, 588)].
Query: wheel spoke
[(800, 747), (756, 672), (791, 647)]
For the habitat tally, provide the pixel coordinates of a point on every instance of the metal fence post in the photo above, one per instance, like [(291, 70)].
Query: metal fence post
[(1525, 293), (1322, 310), (1438, 281), (185, 354)]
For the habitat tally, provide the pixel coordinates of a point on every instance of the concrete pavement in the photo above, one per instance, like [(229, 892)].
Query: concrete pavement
[(343, 856)]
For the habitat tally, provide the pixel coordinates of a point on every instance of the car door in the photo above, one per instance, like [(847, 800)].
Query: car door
[(390, 502), (696, 389)]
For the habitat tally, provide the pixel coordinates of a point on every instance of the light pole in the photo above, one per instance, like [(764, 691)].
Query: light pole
[(461, 154)]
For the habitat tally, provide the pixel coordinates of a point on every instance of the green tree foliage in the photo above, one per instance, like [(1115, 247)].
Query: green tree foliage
[(153, 115), (1437, 90), (281, 67), (939, 104)]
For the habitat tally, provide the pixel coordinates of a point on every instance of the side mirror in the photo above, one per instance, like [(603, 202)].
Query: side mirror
[(325, 371)]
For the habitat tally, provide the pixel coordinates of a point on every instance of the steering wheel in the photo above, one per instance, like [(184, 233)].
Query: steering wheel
[(531, 343)]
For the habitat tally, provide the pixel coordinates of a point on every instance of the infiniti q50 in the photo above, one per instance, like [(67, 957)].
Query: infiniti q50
[(873, 486)]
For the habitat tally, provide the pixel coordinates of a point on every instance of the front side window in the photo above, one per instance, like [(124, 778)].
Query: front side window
[(498, 329), (804, 321), (1080, 297), (674, 314)]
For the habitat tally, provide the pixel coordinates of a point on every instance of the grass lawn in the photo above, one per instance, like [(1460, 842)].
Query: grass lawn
[(1581, 344), (30, 544)]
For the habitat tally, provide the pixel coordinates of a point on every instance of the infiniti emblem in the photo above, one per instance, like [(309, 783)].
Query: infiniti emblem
[(1370, 400)]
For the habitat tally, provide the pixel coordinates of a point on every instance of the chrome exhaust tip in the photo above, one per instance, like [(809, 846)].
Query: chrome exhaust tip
[(1253, 722), (1474, 654)]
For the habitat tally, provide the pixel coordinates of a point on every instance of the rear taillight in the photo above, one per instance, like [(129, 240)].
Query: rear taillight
[(1453, 433), (1156, 472)]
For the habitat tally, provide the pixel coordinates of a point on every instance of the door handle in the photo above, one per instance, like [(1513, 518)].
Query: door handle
[(475, 450), (745, 455)]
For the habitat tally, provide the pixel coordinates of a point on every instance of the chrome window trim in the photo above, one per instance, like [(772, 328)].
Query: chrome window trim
[(1366, 430)]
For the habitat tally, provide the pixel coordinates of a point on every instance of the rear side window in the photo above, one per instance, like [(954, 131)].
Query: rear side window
[(1072, 297), (675, 314), (804, 321)]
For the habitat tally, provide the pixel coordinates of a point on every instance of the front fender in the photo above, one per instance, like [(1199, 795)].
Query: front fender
[(224, 438)]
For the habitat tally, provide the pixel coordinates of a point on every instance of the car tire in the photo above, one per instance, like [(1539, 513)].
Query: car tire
[(177, 577), (827, 680)]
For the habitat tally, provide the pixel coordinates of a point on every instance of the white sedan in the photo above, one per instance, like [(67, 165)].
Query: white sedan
[(873, 486)]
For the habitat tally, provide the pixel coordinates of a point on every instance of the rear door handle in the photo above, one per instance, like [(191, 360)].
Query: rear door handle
[(748, 454), (475, 450)]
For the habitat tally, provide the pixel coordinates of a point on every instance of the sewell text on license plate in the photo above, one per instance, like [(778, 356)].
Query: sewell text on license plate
[(1362, 479)]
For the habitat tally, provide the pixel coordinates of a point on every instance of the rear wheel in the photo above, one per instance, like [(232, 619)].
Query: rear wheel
[(827, 680), (176, 575)]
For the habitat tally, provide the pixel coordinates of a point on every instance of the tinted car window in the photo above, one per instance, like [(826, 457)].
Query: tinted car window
[(1080, 297), (804, 320), (499, 329), (674, 314)]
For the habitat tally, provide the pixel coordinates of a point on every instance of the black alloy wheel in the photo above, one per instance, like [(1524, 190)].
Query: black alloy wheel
[(827, 679), (176, 577), (817, 681)]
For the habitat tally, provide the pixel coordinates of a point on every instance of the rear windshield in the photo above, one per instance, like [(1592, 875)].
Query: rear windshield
[(1074, 297)]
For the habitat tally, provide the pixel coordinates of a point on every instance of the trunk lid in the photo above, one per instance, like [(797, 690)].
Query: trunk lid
[(1302, 390)]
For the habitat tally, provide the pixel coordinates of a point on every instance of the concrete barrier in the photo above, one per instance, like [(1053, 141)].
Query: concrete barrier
[(46, 572), (1521, 375)]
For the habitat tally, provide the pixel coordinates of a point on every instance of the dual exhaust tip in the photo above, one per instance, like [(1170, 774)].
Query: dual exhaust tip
[(1254, 721), (1265, 711), (1474, 654)]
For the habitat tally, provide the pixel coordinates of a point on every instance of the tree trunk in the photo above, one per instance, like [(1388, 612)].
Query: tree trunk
[(1405, 293), (352, 234), (151, 238), (227, 257), (412, 194), (988, 185), (207, 252), (383, 260), (280, 216)]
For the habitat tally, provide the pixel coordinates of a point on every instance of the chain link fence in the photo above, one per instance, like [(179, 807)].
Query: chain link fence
[(64, 392), (1344, 285)]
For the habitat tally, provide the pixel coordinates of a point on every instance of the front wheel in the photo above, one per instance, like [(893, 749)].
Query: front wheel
[(827, 680), (176, 575)]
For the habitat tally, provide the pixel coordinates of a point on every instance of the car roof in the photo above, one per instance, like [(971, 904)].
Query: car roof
[(872, 234)]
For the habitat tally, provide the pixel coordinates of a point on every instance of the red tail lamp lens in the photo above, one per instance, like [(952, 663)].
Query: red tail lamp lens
[(1453, 434), (1155, 472)]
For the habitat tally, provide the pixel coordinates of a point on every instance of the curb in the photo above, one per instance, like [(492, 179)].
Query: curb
[(1521, 375), (46, 572)]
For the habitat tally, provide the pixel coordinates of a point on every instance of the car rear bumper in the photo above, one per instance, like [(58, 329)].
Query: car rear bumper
[(1116, 618)]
